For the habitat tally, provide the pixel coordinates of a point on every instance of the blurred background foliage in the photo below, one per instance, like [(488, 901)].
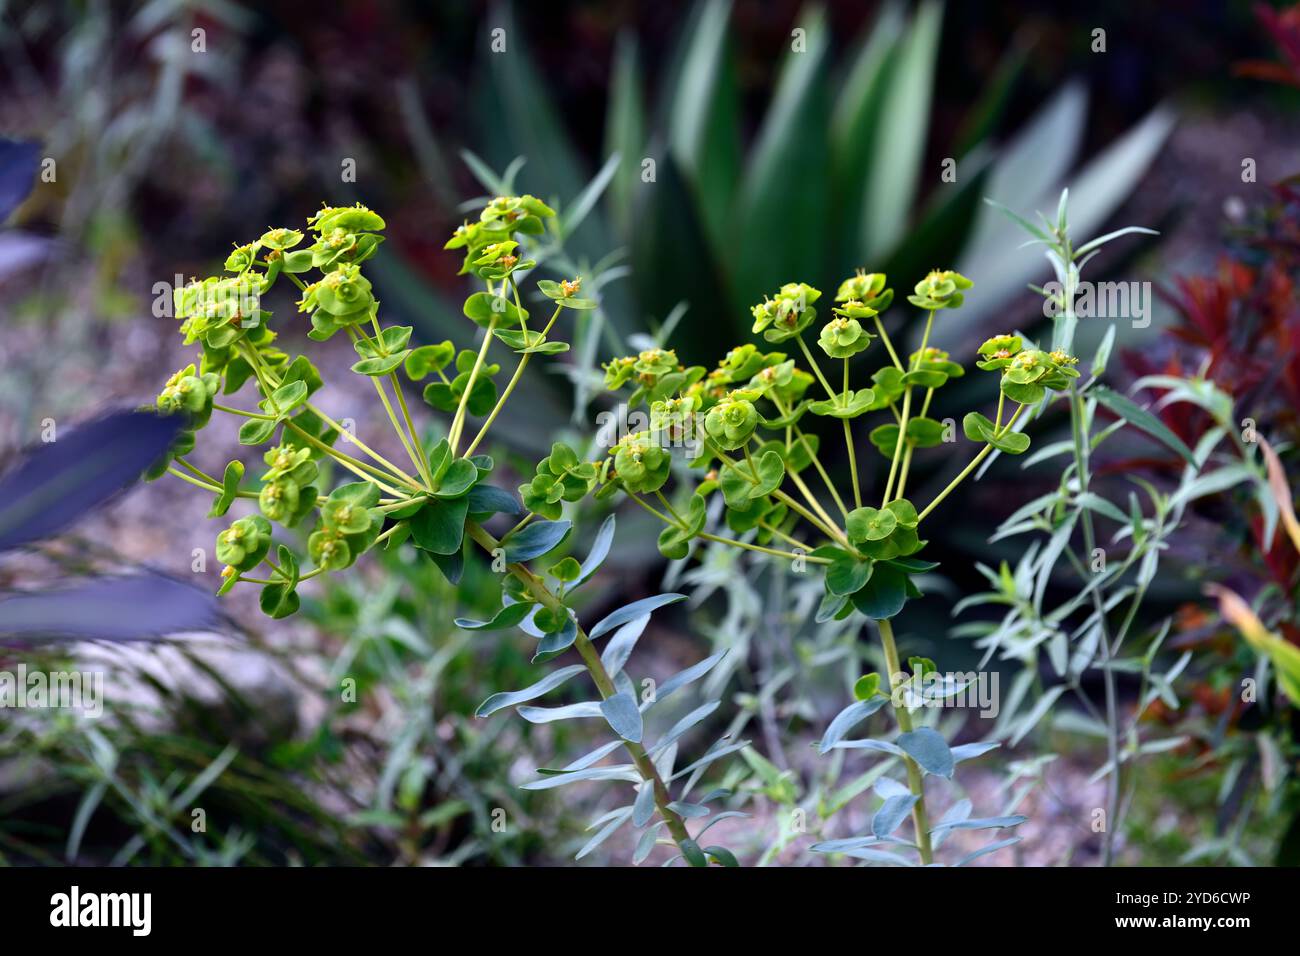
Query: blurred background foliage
[(700, 155)]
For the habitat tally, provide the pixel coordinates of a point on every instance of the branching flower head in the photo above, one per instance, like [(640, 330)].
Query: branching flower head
[(490, 247)]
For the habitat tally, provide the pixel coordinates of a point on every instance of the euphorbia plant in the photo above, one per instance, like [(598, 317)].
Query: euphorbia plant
[(739, 423), (440, 500), (742, 425)]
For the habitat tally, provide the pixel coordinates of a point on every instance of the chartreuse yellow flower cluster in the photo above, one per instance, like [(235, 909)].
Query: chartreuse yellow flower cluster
[(745, 432), (747, 417), (429, 501)]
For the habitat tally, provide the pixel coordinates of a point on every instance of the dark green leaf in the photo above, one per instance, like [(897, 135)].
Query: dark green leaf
[(439, 526)]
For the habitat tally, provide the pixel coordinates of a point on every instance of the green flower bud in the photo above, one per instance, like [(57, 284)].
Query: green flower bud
[(868, 288), (1062, 371), (281, 239), (279, 499), (743, 362), (328, 550), (940, 290), (188, 392), (1028, 366), (774, 377), (653, 363), (331, 247), (285, 460), (244, 543), (242, 258), (642, 466), (542, 496), (498, 256), (998, 351), (344, 292), (348, 218), (884, 533), (853, 309), (731, 422), (618, 371), (843, 338), (345, 517), (673, 413), (788, 312), (573, 478)]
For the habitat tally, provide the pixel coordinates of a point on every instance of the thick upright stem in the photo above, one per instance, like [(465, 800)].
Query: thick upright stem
[(915, 781), (600, 677), (1099, 603)]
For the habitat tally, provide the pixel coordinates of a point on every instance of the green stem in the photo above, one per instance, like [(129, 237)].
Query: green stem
[(925, 339), (416, 459), (668, 506), (216, 489), (510, 387), (410, 424), (848, 443), (198, 472), (907, 455), (830, 392), (676, 522), (792, 541), (907, 410), (523, 319), (241, 413), (889, 346), (653, 510), (524, 521), (458, 421), (827, 528), (915, 782), (815, 504), (812, 455), (775, 552), (899, 444), (355, 465), (984, 453), (268, 383)]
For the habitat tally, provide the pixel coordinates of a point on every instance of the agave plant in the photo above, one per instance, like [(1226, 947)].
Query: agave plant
[(694, 204)]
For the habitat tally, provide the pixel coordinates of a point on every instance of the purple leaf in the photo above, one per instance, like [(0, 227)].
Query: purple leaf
[(59, 482), (126, 608), (18, 162)]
